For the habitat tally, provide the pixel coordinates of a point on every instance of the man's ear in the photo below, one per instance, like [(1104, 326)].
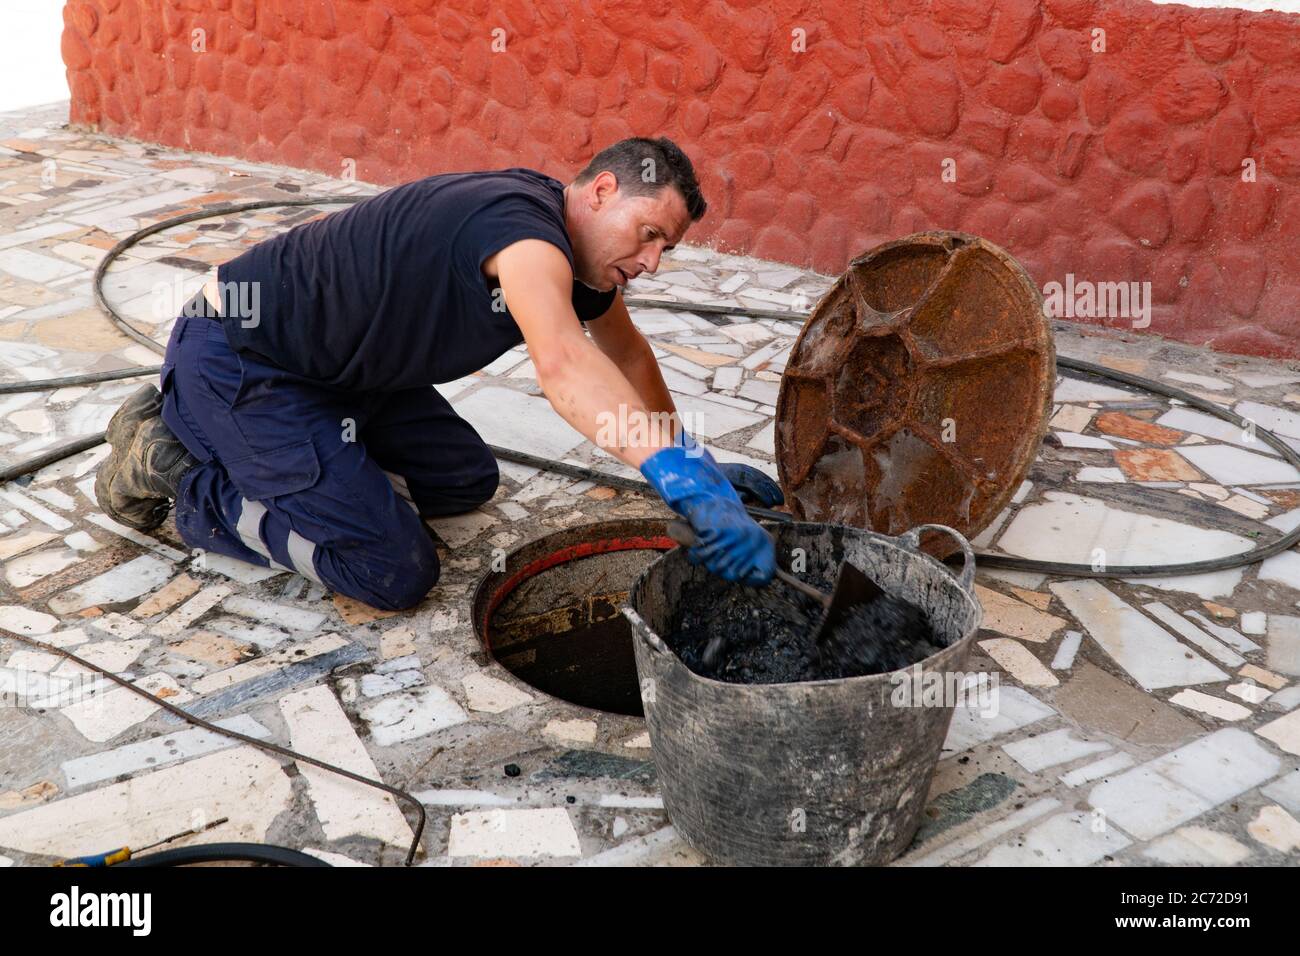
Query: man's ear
[(603, 188)]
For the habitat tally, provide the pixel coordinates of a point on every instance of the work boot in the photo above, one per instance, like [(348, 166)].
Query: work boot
[(135, 484)]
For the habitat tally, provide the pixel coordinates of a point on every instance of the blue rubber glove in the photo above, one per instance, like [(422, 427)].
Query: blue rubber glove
[(754, 487), (732, 545)]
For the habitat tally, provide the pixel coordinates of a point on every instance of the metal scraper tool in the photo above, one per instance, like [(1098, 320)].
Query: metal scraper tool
[(852, 588)]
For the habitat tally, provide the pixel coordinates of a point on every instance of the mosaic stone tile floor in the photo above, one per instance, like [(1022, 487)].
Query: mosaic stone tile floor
[(1140, 722)]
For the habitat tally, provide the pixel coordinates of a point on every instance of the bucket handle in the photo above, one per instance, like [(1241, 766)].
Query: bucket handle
[(912, 541)]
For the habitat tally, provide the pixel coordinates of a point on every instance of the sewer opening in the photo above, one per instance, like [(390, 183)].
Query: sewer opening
[(552, 617)]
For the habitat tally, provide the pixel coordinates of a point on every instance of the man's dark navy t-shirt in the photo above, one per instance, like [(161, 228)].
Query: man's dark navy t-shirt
[(389, 293)]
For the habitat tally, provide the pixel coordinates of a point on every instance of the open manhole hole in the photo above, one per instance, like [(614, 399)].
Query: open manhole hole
[(552, 618)]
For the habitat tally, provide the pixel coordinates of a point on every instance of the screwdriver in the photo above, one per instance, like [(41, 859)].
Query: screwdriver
[(122, 854)]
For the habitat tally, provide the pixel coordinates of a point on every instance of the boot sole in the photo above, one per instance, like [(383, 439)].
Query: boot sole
[(143, 404)]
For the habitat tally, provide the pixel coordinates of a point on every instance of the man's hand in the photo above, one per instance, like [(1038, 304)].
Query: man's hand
[(731, 544)]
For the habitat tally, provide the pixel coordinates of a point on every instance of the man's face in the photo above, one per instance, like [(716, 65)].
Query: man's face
[(617, 236)]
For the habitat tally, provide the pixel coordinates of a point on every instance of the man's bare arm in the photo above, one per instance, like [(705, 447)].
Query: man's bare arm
[(579, 380), (627, 348)]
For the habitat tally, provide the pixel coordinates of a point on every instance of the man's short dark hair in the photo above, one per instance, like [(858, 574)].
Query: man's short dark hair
[(645, 166)]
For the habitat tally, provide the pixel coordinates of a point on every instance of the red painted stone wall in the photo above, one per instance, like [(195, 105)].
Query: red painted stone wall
[(1114, 166)]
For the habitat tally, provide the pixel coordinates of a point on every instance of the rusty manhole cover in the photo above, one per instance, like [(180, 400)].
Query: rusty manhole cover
[(918, 391)]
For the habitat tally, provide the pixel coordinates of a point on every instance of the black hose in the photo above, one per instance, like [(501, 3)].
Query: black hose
[(90, 378), (225, 853)]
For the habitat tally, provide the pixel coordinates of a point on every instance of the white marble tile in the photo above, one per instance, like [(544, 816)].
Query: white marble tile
[(1284, 731), (118, 625), (158, 751), (247, 632), (29, 568), (1052, 748), (411, 714), (279, 615), (35, 267), (1275, 828), (1072, 418), (489, 695), (503, 416), (35, 509), (571, 731), (1196, 846), (1014, 658), (72, 637), (686, 367), (377, 685), (727, 377), (1249, 691), (319, 727), (1236, 466), (459, 530), (1265, 379), (243, 572), (1223, 633), (763, 392), (1066, 651), (680, 384), (1284, 700), (1067, 839), (1207, 426), (1105, 767), (1283, 568), (103, 716), (747, 333), (1011, 708), (1148, 652), (114, 656), (1210, 705), (1275, 419), (122, 583), (192, 610), (23, 620), (1190, 632), (1078, 390), (545, 831), (17, 544), (1123, 537), (1146, 804), (242, 784), (764, 439), (1105, 476), (1254, 622), (709, 419), (1075, 440), (130, 534), (1286, 791)]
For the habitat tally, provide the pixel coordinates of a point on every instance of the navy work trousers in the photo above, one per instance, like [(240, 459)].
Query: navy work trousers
[(331, 485)]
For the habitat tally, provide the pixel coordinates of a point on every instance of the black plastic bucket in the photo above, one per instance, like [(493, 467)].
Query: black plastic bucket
[(831, 772)]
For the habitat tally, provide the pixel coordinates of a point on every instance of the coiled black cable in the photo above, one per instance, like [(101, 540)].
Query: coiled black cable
[(225, 853)]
